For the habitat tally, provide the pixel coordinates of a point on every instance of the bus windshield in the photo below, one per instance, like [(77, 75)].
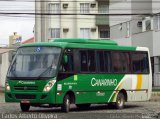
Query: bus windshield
[(34, 62)]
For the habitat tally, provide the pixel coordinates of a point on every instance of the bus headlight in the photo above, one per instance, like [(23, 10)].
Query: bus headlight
[(49, 85), (7, 87)]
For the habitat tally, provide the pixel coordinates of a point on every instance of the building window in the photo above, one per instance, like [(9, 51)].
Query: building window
[(84, 8), (102, 8), (84, 32), (104, 33), (54, 8), (157, 22), (55, 32), (147, 24)]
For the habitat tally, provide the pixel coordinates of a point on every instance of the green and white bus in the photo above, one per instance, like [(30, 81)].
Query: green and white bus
[(80, 72)]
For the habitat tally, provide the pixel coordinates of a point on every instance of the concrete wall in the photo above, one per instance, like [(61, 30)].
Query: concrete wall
[(4, 68), (156, 43), (141, 6), (0, 75), (155, 6), (134, 28), (37, 22), (119, 31), (144, 39), (119, 7), (124, 41), (131, 7)]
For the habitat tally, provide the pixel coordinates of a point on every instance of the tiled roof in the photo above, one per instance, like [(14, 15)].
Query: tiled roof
[(31, 40)]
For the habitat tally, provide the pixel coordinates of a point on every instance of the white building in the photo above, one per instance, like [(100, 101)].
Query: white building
[(138, 30), (71, 19), (5, 59)]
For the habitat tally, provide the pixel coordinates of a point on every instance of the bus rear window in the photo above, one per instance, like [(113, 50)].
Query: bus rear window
[(140, 63)]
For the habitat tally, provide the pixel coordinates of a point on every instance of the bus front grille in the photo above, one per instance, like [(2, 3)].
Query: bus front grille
[(25, 87), (25, 96)]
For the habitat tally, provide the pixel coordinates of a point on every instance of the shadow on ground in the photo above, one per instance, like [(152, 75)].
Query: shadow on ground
[(74, 109)]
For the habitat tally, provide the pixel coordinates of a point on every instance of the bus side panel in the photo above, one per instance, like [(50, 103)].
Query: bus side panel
[(139, 87), (135, 87), (125, 84), (89, 88)]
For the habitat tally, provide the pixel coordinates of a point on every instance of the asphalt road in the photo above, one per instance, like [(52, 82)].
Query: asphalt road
[(150, 109)]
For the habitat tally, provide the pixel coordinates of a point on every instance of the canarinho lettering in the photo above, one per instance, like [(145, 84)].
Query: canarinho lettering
[(103, 82), (22, 82)]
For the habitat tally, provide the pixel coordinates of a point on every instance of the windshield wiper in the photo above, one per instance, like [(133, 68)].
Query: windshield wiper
[(48, 69)]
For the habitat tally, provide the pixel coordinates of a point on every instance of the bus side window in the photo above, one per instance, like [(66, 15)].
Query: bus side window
[(88, 63), (84, 64), (100, 61), (125, 61), (117, 65), (121, 62), (91, 61), (107, 61)]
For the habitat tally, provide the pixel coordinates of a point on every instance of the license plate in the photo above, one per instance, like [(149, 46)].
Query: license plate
[(25, 101)]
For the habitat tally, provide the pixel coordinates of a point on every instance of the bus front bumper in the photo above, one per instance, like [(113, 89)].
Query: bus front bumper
[(31, 97)]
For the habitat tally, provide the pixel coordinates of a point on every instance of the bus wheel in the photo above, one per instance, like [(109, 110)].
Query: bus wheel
[(120, 101), (66, 104), (83, 106), (24, 107)]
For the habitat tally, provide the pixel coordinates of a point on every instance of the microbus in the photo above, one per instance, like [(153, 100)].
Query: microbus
[(78, 71)]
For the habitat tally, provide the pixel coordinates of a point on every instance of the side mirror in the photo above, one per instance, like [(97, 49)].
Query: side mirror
[(65, 59)]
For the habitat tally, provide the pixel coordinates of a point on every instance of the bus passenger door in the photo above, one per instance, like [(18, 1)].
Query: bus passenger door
[(65, 75)]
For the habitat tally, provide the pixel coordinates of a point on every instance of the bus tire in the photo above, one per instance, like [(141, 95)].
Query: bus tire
[(120, 101), (83, 106), (66, 104), (24, 107)]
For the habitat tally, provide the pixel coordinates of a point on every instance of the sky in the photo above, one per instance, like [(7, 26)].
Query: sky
[(22, 24)]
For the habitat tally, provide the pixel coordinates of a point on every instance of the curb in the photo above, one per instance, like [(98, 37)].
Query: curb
[(1, 90), (157, 93)]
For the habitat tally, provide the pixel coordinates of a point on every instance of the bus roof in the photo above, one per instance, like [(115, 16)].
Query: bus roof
[(86, 41), (83, 43)]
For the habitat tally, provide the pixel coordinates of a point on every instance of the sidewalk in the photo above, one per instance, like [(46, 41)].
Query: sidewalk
[(1, 89)]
